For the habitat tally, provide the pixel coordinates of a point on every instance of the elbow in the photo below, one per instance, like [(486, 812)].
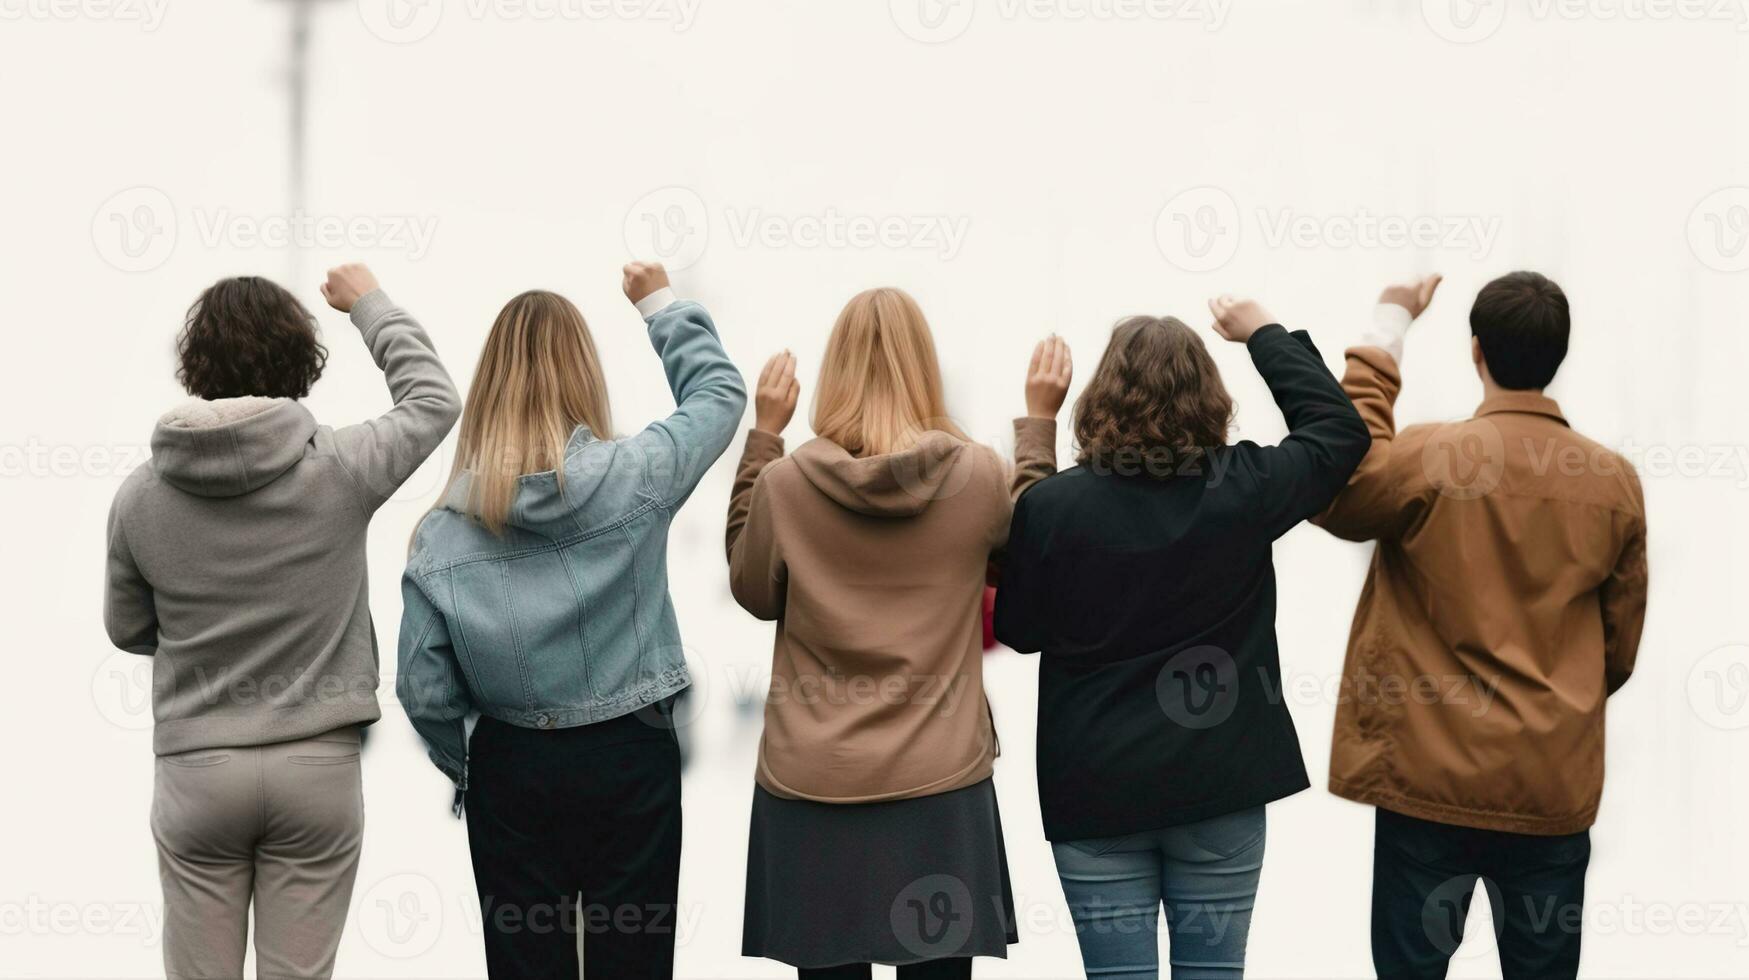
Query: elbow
[(760, 605), (1011, 634), (734, 392), (138, 646), (140, 642), (1356, 443), (448, 407), (1617, 680)]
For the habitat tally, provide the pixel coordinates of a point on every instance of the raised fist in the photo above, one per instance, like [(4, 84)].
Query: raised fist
[(643, 279), (346, 283)]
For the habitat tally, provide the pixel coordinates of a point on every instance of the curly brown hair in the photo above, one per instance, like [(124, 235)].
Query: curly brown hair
[(1156, 401), (249, 336)]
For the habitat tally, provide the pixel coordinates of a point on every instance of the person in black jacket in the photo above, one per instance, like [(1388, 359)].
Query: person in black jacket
[(1145, 577)]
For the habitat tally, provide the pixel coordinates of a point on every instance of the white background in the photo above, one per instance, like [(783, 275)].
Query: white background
[(1603, 144)]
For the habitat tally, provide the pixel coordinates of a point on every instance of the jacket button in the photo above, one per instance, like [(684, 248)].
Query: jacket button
[(544, 721)]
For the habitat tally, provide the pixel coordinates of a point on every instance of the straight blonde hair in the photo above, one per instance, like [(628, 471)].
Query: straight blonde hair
[(880, 384), (539, 378)]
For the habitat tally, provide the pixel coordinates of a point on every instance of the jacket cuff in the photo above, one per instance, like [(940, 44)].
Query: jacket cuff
[(1264, 334), (762, 446), (369, 309), (1390, 327), (656, 302), (1029, 430)]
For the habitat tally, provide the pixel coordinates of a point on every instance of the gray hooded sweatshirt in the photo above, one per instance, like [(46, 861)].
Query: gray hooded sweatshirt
[(237, 553)]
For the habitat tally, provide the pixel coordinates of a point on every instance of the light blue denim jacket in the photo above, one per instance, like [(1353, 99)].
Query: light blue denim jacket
[(566, 619)]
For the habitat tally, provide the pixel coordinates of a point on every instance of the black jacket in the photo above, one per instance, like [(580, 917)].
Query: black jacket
[(1153, 601)]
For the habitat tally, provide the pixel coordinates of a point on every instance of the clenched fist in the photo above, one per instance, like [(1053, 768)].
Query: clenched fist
[(1238, 319), (346, 283), (643, 279), (1414, 296), (774, 398), (1047, 379)]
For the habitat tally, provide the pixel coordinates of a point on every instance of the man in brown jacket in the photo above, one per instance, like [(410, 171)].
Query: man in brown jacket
[(1503, 607)]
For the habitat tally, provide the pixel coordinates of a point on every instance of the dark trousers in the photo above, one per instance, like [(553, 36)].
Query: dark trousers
[(576, 830), (1425, 873), (955, 969)]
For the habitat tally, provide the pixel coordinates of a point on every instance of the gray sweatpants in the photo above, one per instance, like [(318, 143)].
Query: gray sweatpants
[(281, 824)]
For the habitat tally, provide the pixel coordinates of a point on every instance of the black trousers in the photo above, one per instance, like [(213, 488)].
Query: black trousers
[(1425, 873), (576, 830), (955, 969)]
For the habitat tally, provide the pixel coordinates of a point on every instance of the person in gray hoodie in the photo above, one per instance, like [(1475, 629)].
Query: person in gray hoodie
[(237, 562)]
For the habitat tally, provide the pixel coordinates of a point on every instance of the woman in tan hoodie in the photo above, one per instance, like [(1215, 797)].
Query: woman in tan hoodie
[(875, 834)]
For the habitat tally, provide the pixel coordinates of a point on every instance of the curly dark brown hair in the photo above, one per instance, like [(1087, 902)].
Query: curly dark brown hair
[(249, 336), (1155, 403)]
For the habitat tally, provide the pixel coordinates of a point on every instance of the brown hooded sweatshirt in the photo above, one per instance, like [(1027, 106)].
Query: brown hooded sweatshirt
[(873, 569)]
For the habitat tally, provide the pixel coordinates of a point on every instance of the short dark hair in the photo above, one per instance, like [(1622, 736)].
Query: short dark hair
[(1156, 391), (249, 336), (1522, 322)]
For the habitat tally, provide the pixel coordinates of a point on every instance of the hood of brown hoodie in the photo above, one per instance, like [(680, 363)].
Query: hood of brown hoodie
[(901, 484)]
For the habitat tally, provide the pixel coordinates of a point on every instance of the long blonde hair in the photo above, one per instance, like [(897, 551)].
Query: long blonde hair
[(880, 384), (539, 378)]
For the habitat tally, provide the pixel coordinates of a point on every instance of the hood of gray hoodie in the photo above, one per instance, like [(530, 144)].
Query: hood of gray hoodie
[(228, 447), (901, 484)]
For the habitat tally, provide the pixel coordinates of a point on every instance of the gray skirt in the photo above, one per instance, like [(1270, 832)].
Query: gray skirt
[(898, 882)]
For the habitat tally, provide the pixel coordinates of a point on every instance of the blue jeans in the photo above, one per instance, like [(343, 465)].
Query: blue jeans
[(1206, 875)]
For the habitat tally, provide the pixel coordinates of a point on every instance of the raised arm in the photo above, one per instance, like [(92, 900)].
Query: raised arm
[(1035, 435), (757, 575), (1326, 438), (383, 453), (709, 395), (429, 682), (130, 612), (1388, 486)]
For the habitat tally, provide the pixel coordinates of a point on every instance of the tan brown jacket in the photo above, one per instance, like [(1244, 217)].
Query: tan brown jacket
[(1503, 607), (873, 569)]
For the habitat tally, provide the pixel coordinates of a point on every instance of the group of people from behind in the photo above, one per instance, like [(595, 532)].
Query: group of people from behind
[(540, 656)]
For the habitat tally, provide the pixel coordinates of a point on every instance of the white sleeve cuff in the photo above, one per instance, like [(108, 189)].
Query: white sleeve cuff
[(1390, 326), (656, 302)]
